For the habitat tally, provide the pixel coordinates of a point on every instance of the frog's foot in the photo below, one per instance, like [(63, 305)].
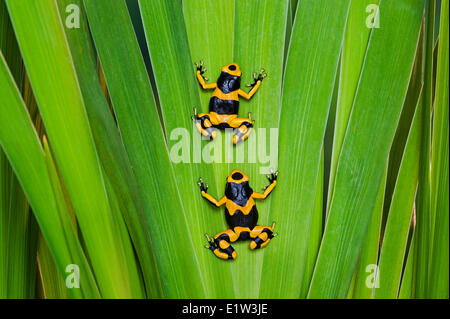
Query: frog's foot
[(257, 77), (243, 131), (203, 187), (211, 243), (220, 244), (200, 68), (204, 125), (272, 177), (262, 235)]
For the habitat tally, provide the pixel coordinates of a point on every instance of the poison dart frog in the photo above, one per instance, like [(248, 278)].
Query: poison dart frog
[(241, 215), (224, 102)]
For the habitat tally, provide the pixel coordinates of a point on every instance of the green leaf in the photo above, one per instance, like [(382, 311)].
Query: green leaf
[(17, 226), (394, 244), (69, 224), (315, 231), (353, 53), (366, 145), (407, 285), (307, 92), (17, 236), (404, 126), (48, 62), (9, 46), (369, 251), (424, 216), (352, 286), (53, 286), (439, 266)]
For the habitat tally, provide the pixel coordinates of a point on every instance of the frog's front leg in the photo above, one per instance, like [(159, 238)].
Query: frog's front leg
[(211, 199), (255, 85), (272, 177), (201, 79)]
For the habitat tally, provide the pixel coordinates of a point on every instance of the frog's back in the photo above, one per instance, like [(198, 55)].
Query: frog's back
[(239, 219), (225, 98)]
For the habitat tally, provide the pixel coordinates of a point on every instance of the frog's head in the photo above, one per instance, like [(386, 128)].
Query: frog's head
[(230, 78), (238, 188), (232, 69)]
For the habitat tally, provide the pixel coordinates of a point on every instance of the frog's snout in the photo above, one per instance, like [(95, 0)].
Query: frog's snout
[(233, 69)]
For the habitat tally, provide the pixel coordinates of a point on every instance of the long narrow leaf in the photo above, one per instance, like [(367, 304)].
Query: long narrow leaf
[(424, 217), (53, 285), (407, 285), (369, 251), (439, 267), (17, 226), (315, 231), (395, 238), (353, 52)]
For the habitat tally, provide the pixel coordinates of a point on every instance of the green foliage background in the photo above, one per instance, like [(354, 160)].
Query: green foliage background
[(86, 122)]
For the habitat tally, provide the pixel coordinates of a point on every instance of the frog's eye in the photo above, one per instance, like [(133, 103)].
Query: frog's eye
[(235, 191), (244, 192), (232, 67)]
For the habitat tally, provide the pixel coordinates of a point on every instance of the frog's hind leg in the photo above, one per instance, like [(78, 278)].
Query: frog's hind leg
[(262, 236), (243, 128), (220, 244), (203, 124)]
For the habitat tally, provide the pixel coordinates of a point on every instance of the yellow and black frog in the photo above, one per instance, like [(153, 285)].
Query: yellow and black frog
[(224, 102), (241, 215)]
